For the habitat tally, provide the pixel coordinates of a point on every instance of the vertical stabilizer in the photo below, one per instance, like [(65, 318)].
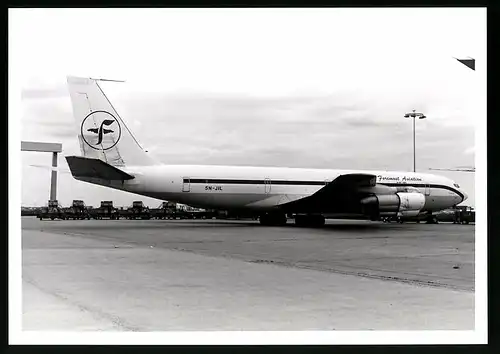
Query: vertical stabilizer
[(101, 131)]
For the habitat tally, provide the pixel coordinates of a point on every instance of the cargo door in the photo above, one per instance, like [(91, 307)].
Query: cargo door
[(267, 185)]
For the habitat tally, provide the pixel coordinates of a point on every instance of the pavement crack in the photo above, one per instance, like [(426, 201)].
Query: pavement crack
[(118, 322)]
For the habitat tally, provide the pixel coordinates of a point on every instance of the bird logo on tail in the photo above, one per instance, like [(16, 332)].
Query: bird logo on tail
[(102, 130), (95, 123)]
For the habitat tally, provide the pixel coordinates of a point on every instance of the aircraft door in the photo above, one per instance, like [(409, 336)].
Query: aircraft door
[(186, 184), (427, 189), (267, 185)]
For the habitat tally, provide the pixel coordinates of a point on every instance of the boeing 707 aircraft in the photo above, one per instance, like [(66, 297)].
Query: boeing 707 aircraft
[(112, 157)]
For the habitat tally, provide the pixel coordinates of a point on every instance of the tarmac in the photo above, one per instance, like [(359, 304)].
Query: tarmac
[(204, 275)]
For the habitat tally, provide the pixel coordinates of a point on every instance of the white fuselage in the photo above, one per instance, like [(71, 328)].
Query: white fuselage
[(261, 188), (104, 136)]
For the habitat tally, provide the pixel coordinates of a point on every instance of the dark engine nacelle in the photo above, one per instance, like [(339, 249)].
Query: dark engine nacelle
[(398, 204)]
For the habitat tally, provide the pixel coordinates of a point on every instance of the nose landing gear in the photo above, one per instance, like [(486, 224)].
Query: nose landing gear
[(431, 219)]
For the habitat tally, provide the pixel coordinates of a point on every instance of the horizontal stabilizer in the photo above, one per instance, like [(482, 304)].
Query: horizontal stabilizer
[(88, 167)]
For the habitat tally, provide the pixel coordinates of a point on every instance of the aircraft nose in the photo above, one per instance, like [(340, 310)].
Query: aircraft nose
[(465, 196)]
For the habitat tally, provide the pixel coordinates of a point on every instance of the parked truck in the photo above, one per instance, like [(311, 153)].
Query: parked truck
[(52, 211), (30, 211), (464, 215), (166, 210), (137, 210), (105, 211), (456, 215), (77, 210), (183, 211)]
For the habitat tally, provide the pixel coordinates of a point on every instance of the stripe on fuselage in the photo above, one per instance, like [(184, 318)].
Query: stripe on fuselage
[(310, 183), (253, 181)]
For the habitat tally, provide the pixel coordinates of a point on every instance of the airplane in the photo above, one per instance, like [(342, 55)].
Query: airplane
[(113, 158)]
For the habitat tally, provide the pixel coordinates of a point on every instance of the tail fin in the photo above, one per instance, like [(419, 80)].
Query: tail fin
[(102, 133)]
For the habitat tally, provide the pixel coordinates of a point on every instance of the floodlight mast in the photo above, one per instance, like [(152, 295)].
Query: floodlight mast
[(414, 115)]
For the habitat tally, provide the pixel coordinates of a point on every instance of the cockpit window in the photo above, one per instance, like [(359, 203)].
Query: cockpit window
[(456, 185)]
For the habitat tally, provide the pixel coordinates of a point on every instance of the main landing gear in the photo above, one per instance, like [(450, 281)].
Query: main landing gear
[(309, 220), (273, 219), (280, 219)]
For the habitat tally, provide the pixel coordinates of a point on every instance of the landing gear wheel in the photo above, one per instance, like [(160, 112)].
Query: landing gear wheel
[(319, 220), (273, 219), (310, 220), (301, 220)]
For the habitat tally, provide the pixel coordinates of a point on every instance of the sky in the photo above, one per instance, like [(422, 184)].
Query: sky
[(312, 88)]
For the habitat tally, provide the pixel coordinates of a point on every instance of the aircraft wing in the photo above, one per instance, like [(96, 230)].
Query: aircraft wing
[(342, 194)]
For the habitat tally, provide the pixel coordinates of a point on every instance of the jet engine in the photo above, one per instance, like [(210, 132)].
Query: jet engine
[(397, 204)]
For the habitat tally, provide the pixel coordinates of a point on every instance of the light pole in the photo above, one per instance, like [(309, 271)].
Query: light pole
[(414, 115)]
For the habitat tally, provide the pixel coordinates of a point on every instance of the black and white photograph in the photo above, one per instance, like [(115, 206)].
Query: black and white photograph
[(247, 175)]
